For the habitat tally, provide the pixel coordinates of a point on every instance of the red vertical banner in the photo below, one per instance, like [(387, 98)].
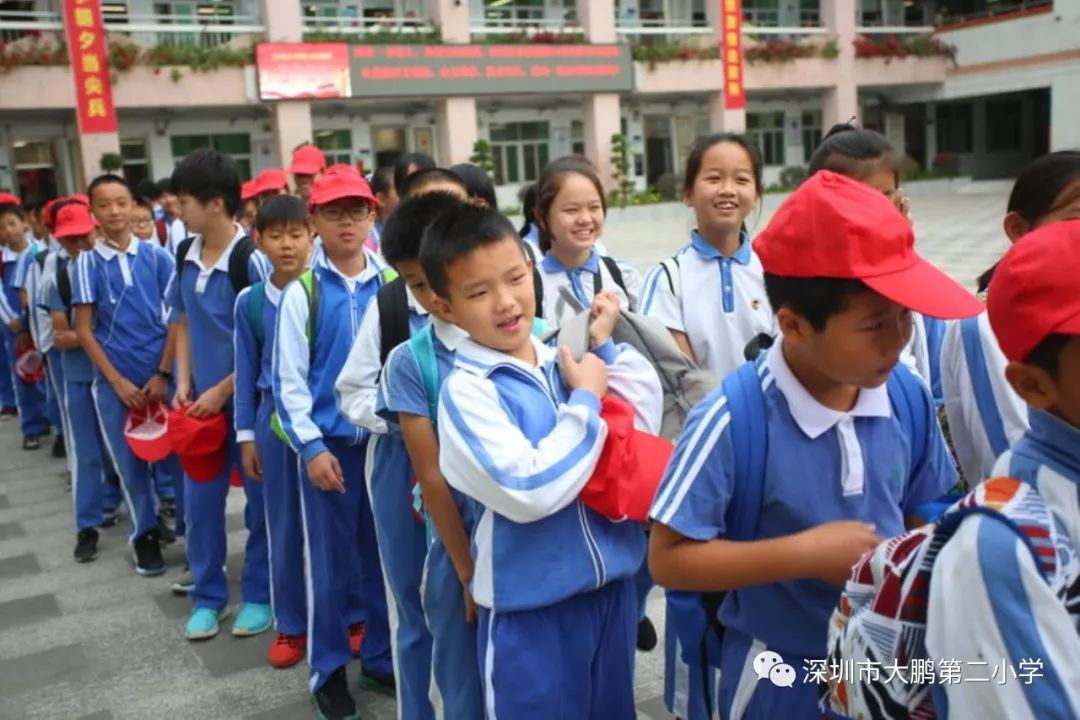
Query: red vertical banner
[(89, 66), (732, 54)]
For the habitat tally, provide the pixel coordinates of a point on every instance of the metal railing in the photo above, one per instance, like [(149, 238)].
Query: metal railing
[(184, 30), (15, 24), (359, 26), (991, 12)]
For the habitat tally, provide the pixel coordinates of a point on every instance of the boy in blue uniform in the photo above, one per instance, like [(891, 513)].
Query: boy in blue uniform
[(29, 396), (74, 228), (318, 318), (212, 268), (520, 434), (843, 277), (1017, 606), (117, 293), (285, 239), (390, 476)]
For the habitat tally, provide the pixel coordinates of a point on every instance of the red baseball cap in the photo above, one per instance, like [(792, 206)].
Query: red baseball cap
[(199, 443), (147, 432), (630, 467), (1035, 291), (30, 366), (7, 198), (248, 190), (73, 220), (343, 168), (334, 186), (271, 180), (836, 227), (307, 160)]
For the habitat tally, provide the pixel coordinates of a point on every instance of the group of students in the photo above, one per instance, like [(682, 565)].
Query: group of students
[(414, 451)]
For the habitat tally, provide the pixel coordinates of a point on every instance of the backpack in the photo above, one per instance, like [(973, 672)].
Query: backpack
[(393, 303), (749, 433), (598, 284), (238, 261), (881, 618)]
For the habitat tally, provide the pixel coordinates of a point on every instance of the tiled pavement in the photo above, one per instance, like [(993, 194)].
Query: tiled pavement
[(97, 642)]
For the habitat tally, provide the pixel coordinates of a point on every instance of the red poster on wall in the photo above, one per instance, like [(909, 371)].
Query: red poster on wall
[(732, 54), (303, 71), (89, 66)]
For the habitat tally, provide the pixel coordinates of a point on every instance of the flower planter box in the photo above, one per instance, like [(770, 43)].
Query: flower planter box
[(900, 71)]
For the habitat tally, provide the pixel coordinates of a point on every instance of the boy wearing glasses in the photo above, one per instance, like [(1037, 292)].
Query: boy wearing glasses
[(318, 318), (142, 221)]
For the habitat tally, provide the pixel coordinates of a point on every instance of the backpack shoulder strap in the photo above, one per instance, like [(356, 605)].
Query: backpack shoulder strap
[(238, 263), (615, 271), (40, 259), (63, 284), (310, 283), (393, 303), (749, 433), (256, 300), (182, 252), (671, 269), (970, 337), (422, 345), (538, 282)]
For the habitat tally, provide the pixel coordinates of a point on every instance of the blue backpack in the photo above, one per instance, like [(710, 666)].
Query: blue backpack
[(695, 614)]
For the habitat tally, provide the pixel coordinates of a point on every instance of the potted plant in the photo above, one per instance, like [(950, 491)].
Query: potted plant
[(111, 162)]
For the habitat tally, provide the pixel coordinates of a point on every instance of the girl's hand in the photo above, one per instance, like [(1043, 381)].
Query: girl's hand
[(604, 314)]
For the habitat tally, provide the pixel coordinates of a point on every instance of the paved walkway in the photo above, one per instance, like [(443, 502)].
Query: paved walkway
[(97, 642)]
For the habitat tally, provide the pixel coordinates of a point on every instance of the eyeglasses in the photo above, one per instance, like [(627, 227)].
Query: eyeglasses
[(357, 213), (142, 221)]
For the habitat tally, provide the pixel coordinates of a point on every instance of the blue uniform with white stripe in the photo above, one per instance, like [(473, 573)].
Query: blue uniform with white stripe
[(85, 454), (33, 274), (1008, 612), (985, 414), (861, 471), (455, 688), (206, 297), (254, 406), (521, 446), (29, 396), (345, 582), (126, 288), (402, 541)]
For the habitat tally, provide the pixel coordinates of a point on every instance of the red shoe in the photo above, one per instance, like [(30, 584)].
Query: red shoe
[(356, 637), (287, 650)]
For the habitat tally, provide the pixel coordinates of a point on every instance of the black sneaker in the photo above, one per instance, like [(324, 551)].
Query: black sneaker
[(8, 412), (381, 684), (147, 552), (646, 635), (110, 516), (333, 701), (31, 442), (167, 507), (184, 584), (168, 537), (58, 448), (86, 545)]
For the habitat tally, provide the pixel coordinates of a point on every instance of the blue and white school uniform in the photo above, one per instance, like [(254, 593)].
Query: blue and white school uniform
[(454, 688), (126, 289), (985, 414), (345, 582), (718, 302), (401, 533), (923, 352), (583, 282), (861, 472), (206, 297), (254, 407), (85, 452), (35, 280), (553, 578), (29, 396), (1008, 617), (718, 331)]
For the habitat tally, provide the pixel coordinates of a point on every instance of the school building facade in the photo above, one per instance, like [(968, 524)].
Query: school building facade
[(977, 88)]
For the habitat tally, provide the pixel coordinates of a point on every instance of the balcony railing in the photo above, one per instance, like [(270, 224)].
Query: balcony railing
[(15, 24), (148, 30), (357, 27)]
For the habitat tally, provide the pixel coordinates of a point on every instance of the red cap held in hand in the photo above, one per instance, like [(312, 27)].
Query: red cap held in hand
[(1035, 292), (147, 432), (307, 160), (199, 443), (835, 227), (30, 366), (630, 467), (335, 186)]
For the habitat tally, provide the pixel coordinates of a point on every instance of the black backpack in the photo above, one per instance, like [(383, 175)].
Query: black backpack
[(393, 304), (598, 284), (238, 261)]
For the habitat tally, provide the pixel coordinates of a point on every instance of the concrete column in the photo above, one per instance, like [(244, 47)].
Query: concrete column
[(931, 135), (895, 131), (841, 102), (455, 129), (91, 148), (452, 19), (723, 120), (290, 120), (597, 19), (283, 21), (1064, 105), (602, 120)]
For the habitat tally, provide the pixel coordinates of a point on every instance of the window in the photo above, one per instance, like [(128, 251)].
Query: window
[(237, 145), (767, 132), (136, 165), (811, 133), (336, 145), (577, 137), (1004, 119), (520, 151), (955, 124)]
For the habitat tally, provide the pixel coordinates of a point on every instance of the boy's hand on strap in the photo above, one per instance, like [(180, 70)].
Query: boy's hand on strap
[(604, 313), (249, 457), (325, 473), (589, 374), (832, 549), (128, 392)]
